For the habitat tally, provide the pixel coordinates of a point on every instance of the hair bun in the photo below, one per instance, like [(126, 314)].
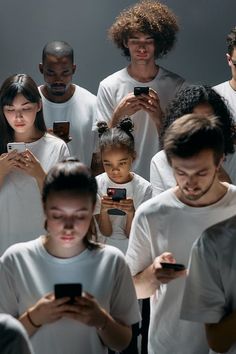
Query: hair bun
[(102, 127), (126, 124)]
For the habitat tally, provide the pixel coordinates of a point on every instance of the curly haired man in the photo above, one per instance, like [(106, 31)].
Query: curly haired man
[(144, 32)]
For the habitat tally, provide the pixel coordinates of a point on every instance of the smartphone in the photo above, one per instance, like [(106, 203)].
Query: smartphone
[(20, 147), (139, 90), (61, 129), (117, 194), (175, 266), (68, 290)]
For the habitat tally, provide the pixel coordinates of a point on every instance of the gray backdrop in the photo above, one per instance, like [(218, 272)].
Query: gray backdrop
[(26, 25)]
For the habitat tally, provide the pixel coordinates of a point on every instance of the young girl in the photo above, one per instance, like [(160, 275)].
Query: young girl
[(117, 154), (22, 174), (99, 319)]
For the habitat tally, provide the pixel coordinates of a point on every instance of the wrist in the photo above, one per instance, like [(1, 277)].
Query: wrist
[(102, 327), (31, 320)]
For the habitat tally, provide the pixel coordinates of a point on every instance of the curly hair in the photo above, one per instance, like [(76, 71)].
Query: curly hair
[(187, 99), (231, 41), (149, 17)]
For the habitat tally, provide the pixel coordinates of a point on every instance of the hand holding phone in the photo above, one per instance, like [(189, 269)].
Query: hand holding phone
[(70, 290), (116, 194)]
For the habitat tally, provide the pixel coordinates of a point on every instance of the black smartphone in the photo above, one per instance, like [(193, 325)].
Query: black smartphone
[(175, 266), (116, 194), (68, 290), (139, 90), (61, 129)]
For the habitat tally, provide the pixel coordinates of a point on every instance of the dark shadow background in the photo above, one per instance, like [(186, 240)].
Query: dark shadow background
[(26, 25)]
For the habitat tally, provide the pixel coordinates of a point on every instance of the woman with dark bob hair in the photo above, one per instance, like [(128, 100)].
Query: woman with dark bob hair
[(22, 171), (200, 99), (68, 254)]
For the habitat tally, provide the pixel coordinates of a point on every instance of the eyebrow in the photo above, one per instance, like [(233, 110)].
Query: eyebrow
[(134, 37), (125, 159)]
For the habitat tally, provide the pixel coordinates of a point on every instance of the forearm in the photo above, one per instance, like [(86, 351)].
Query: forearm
[(146, 283), (40, 179), (221, 336), (104, 224), (113, 334), (129, 219)]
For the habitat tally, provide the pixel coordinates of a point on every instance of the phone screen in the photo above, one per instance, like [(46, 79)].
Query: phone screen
[(61, 129), (68, 290)]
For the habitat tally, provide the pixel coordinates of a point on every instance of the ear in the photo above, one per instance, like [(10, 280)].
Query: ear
[(73, 68), (134, 156), (220, 162), (41, 68)]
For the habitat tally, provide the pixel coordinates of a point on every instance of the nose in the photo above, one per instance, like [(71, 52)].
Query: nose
[(191, 181), (115, 170), (68, 223), (19, 114)]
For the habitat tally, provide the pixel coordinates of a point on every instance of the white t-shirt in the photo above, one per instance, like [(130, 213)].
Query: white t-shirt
[(163, 224), (138, 189), (115, 87), (13, 336), (28, 272), (229, 94), (21, 212), (162, 176), (79, 110), (210, 292)]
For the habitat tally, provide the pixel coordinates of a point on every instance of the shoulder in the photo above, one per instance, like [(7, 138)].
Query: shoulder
[(113, 78), (159, 204), (109, 255), (53, 140), (165, 74), (19, 250), (80, 91), (139, 181), (221, 86), (160, 156)]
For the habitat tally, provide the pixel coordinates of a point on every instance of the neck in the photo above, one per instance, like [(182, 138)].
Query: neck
[(28, 137), (58, 99), (60, 252), (232, 83), (217, 192), (144, 72)]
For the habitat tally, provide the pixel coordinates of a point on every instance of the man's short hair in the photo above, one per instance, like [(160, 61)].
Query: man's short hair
[(58, 49), (192, 133), (231, 41), (148, 17)]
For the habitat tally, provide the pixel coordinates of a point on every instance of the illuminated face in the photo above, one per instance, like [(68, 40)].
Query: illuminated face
[(21, 114), (195, 176), (117, 163), (58, 73), (68, 219), (141, 48)]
